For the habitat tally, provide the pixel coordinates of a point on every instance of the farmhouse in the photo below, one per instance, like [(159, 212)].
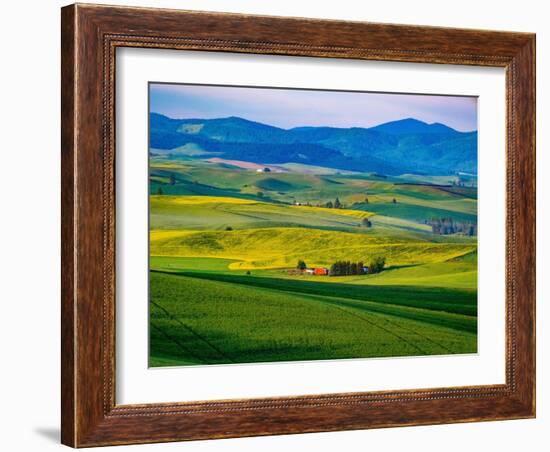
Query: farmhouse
[(320, 271), (309, 271)]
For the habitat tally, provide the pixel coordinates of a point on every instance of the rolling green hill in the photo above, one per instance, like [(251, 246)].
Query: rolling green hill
[(416, 201), (201, 321), (456, 273), (215, 212)]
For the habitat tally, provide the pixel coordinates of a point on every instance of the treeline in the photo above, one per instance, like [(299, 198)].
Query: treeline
[(444, 226), (348, 268), (334, 205), (329, 204)]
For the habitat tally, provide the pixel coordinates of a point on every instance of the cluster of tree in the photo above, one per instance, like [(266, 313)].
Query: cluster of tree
[(444, 226), (377, 264), (346, 268), (366, 223), (334, 205)]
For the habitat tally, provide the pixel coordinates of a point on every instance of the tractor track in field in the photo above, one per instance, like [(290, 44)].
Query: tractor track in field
[(409, 330), (193, 333), (389, 326), (352, 311), (336, 223), (239, 214), (421, 335), (178, 343), (380, 314), (376, 325)]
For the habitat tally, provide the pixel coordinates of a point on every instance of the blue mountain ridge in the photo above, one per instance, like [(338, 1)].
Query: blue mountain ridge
[(393, 148)]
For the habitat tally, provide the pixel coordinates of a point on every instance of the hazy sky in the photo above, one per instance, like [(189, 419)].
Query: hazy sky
[(289, 108)]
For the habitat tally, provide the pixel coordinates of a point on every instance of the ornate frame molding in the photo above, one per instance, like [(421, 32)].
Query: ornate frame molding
[(90, 37)]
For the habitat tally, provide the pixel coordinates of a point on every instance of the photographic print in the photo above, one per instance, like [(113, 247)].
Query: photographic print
[(298, 224)]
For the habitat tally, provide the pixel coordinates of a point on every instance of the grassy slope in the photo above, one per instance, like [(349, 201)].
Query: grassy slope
[(456, 273), (216, 212), (200, 321), (416, 212), (454, 301)]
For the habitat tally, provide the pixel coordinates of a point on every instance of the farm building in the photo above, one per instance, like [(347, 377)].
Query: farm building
[(320, 271), (309, 271)]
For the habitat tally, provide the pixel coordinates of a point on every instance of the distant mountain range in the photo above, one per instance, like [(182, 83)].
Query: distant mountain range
[(393, 148)]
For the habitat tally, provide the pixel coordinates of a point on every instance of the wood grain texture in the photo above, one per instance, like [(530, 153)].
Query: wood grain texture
[(90, 36), (68, 244)]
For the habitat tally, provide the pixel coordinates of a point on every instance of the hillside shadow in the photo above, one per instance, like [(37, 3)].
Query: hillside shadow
[(459, 301), (398, 267)]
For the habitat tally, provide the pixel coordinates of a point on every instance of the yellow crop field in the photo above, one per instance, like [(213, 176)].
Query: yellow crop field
[(194, 200), (282, 247), (170, 165), (347, 212), (162, 201), (219, 212)]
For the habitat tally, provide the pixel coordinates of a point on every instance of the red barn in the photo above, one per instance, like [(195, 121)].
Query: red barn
[(321, 271)]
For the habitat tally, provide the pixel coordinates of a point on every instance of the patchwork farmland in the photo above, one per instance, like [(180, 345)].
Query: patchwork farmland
[(226, 240)]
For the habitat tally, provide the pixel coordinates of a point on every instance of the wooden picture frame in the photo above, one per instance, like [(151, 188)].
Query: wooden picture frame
[(90, 36)]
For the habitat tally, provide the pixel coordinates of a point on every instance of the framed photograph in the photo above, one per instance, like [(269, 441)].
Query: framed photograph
[(281, 225)]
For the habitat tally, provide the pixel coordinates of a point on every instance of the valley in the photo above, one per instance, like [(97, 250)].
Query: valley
[(226, 238)]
